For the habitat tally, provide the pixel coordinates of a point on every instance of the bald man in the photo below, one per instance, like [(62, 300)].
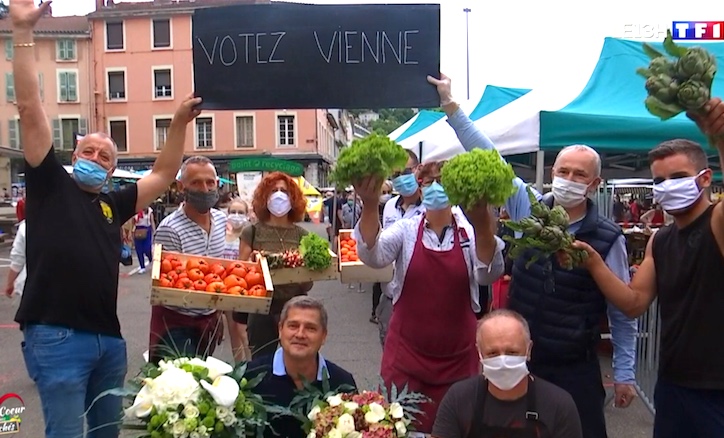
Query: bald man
[(506, 400)]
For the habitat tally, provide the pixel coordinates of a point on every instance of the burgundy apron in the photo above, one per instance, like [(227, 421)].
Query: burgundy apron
[(431, 339), (163, 319)]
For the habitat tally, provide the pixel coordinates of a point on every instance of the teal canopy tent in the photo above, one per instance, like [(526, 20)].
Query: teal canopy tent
[(420, 121), (609, 113), (495, 98)]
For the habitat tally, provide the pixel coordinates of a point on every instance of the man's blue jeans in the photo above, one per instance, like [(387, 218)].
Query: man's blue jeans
[(71, 368)]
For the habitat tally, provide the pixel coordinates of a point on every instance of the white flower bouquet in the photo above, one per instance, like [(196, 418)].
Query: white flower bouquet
[(364, 415), (194, 398)]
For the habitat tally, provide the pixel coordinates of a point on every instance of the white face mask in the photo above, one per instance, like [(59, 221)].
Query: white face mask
[(279, 204), (568, 193), (504, 372), (237, 220), (677, 194)]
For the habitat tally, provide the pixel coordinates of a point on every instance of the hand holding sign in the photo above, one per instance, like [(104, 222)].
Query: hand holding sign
[(444, 88), (188, 110)]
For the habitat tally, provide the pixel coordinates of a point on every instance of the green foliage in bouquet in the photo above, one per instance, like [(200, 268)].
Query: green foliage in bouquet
[(546, 233), (374, 155), (477, 175), (315, 252), (310, 395), (677, 84)]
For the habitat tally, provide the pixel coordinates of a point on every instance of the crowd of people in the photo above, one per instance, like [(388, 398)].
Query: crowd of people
[(530, 370)]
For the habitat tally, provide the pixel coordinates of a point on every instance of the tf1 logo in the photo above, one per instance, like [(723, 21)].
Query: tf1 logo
[(698, 30)]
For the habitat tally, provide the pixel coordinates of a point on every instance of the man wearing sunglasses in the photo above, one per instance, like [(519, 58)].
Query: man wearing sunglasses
[(406, 204)]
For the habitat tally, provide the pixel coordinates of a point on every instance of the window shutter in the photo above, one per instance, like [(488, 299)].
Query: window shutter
[(70, 49), (13, 133), (63, 81), (72, 87), (57, 134), (9, 49), (10, 87), (40, 85), (83, 126), (60, 49)]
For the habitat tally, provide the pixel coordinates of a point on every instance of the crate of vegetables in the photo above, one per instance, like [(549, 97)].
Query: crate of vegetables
[(351, 269), (200, 282), (313, 261)]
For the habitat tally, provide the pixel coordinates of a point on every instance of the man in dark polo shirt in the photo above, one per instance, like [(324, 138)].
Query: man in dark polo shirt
[(72, 346), (684, 268), (302, 332)]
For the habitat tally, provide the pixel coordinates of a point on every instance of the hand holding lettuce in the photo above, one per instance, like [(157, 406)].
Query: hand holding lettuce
[(373, 156), (545, 232)]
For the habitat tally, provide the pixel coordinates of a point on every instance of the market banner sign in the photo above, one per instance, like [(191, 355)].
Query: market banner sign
[(291, 168), (284, 56)]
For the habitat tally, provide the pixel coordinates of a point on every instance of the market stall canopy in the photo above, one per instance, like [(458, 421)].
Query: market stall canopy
[(608, 114), (307, 188), (429, 128), (417, 123), (118, 173)]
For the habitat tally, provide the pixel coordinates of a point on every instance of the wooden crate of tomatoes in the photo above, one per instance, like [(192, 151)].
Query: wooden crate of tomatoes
[(200, 282), (312, 261), (351, 269)]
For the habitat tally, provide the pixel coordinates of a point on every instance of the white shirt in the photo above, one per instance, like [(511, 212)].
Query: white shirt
[(393, 212), (397, 244), (17, 259), (145, 221)]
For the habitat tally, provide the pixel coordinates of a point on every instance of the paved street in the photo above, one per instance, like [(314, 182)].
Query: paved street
[(352, 343)]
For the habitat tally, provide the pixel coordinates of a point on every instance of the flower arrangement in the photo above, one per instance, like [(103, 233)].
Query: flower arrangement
[(365, 415), (194, 398)]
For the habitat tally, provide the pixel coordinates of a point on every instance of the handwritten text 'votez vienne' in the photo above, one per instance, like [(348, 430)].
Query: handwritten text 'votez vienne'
[(342, 47)]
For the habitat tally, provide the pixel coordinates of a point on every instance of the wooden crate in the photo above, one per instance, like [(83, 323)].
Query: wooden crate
[(358, 272), (303, 275), (206, 300)]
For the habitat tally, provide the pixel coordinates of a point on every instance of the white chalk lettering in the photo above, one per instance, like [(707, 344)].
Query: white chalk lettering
[(246, 37), (327, 58), (210, 57), (280, 35), (258, 48), (408, 46), (348, 46), (375, 53), (221, 51), (389, 43)]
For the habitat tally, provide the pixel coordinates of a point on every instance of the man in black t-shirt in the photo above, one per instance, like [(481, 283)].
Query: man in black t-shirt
[(302, 332), (72, 345), (684, 267), (506, 400)]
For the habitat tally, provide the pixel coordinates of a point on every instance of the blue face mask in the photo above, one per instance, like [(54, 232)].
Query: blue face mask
[(434, 197), (405, 185), (89, 173)]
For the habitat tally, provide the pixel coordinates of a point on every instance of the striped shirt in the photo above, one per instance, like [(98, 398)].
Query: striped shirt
[(178, 233)]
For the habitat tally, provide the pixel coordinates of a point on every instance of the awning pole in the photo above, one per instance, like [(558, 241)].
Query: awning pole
[(540, 165)]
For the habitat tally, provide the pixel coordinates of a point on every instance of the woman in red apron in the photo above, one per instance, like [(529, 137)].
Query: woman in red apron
[(430, 342)]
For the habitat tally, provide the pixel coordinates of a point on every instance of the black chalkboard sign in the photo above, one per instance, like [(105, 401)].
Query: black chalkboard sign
[(284, 55)]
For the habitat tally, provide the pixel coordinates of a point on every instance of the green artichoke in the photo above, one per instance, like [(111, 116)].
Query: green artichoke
[(539, 210), (552, 236), (558, 217), (696, 62), (531, 226), (662, 66), (693, 95), (663, 87)]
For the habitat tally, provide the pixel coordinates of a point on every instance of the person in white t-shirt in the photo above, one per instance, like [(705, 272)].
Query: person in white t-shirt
[(17, 272), (143, 228)]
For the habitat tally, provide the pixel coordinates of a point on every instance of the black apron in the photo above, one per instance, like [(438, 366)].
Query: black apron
[(533, 427)]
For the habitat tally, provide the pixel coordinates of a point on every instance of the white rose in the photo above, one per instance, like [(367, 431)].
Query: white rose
[(312, 434), (229, 420), (195, 435), (334, 400), (178, 428), (222, 412), (191, 411), (174, 387), (334, 433), (396, 411), (351, 406), (201, 430), (345, 424), (172, 418), (376, 414), (401, 428), (312, 415)]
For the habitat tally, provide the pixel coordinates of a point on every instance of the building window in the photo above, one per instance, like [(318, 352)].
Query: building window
[(9, 49), (116, 85), (65, 50), (204, 133), (114, 36), (9, 87), (162, 126), (245, 132), (64, 131), (162, 82), (286, 130), (118, 130), (67, 86), (161, 33), (14, 134)]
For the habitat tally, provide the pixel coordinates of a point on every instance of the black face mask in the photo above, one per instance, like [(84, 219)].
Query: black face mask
[(201, 201)]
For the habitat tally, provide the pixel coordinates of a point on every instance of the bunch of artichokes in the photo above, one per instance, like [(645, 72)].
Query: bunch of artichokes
[(679, 84), (545, 232)]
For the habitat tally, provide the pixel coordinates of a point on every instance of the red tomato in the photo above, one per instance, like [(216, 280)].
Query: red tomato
[(232, 280), (236, 290), (216, 287), (184, 283), (200, 285), (164, 281), (212, 278), (236, 268), (192, 264), (217, 269), (166, 266), (254, 278), (195, 274), (204, 266)]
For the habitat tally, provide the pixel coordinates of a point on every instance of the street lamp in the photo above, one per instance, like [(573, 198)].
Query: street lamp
[(467, 45)]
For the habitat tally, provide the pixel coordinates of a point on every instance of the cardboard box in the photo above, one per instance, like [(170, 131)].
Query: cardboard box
[(358, 272), (207, 300), (303, 275)]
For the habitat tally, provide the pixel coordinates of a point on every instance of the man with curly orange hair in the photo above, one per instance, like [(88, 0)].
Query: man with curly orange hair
[(278, 204)]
